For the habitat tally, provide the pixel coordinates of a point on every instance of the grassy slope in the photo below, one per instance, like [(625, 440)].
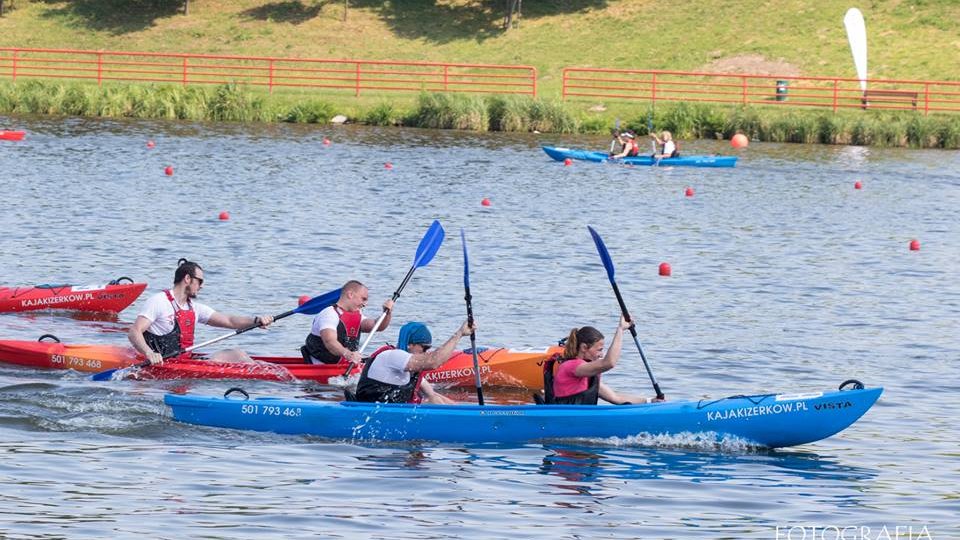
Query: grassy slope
[(916, 39)]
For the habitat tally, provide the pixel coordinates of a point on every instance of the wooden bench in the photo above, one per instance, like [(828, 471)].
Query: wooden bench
[(893, 97)]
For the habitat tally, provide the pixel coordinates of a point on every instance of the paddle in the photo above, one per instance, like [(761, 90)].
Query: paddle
[(428, 247), (653, 143), (310, 307), (469, 300), (608, 264)]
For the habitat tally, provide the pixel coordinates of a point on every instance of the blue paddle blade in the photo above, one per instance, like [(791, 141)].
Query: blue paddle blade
[(318, 303), (429, 245), (466, 261), (604, 254)]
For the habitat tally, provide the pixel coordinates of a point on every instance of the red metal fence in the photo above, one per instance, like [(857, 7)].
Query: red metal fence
[(825, 92), (354, 75)]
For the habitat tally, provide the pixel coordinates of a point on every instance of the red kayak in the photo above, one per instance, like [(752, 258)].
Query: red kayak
[(113, 297), (12, 135), (498, 367)]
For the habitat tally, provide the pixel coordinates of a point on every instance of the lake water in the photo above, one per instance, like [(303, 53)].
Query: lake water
[(785, 278)]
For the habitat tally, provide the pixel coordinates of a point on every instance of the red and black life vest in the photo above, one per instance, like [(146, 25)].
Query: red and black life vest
[(178, 339), (634, 148), (373, 391), (586, 397), (348, 334)]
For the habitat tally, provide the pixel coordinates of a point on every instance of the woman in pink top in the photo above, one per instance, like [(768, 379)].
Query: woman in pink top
[(573, 378)]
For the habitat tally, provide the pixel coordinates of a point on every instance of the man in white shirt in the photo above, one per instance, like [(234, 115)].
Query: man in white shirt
[(395, 375), (335, 333), (165, 325)]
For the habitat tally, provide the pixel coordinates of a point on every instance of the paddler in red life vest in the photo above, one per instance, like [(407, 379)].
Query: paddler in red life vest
[(630, 147), (395, 375), (336, 330), (573, 378), (166, 323)]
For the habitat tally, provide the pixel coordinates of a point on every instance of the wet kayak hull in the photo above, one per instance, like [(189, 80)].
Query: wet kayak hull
[(773, 420), (109, 298), (561, 154)]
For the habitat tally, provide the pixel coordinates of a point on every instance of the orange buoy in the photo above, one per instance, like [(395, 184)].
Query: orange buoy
[(151, 144), (858, 185), (224, 215), (914, 245), (688, 192), (665, 269), (567, 162), (739, 141), (168, 170), (485, 202), (302, 300)]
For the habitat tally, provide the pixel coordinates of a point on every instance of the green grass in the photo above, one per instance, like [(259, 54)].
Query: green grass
[(232, 103)]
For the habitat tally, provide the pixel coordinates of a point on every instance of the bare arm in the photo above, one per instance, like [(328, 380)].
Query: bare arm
[(329, 338), (435, 358), (612, 396), (135, 335), (367, 325), (609, 360), (221, 320), (431, 396)]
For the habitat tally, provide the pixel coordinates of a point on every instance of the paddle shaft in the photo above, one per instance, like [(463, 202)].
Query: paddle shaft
[(473, 343), (636, 340)]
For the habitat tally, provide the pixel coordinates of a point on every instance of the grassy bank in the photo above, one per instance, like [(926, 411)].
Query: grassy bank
[(468, 112)]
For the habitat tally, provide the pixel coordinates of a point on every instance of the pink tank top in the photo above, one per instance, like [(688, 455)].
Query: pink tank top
[(565, 382)]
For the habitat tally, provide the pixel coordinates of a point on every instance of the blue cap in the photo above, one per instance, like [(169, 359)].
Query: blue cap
[(413, 333)]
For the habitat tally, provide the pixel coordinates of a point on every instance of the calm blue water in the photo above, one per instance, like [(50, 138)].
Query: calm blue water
[(785, 279)]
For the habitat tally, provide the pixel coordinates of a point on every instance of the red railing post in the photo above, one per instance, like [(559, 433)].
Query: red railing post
[(563, 85), (446, 70), (835, 84), (184, 71), (99, 68), (357, 91), (270, 84), (533, 75), (926, 99)]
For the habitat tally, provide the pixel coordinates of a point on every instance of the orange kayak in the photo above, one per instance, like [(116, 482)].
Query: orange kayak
[(113, 297), (498, 367)]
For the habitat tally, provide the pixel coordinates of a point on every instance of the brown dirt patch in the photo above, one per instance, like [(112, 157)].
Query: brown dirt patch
[(752, 64)]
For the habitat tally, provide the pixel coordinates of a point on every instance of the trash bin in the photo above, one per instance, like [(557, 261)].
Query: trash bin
[(782, 90)]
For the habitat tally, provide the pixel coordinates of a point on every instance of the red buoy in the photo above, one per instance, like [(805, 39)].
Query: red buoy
[(914, 245), (224, 215), (326, 141), (567, 162), (858, 185), (151, 144), (388, 166), (739, 141), (485, 202), (302, 300), (688, 192), (665, 269), (168, 170)]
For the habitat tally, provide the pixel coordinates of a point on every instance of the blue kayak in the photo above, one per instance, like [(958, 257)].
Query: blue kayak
[(561, 154), (772, 420)]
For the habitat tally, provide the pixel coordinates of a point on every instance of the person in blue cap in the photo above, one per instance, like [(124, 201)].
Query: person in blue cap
[(395, 374)]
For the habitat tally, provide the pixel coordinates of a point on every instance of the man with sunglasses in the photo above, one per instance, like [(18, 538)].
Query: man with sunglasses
[(395, 375), (166, 323)]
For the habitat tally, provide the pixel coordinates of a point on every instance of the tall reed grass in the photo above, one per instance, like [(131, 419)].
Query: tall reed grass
[(234, 103)]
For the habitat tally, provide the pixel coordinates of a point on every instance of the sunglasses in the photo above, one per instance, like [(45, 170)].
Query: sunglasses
[(199, 279)]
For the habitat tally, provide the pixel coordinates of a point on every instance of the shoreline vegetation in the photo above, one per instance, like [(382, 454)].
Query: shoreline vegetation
[(235, 103)]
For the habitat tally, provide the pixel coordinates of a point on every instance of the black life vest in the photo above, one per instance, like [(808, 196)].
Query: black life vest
[(590, 396), (370, 390), (181, 337), (348, 334)]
